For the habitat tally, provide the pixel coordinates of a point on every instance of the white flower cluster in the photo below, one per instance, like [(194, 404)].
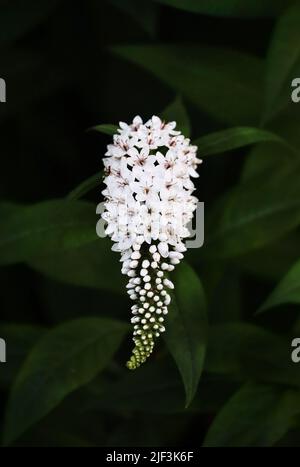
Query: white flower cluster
[(148, 206)]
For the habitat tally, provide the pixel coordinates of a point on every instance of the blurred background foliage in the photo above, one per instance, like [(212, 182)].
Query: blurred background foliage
[(224, 375)]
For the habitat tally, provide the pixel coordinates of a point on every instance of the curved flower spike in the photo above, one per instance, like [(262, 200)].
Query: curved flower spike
[(148, 204)]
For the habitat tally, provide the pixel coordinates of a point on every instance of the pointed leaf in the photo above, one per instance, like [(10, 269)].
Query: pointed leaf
[(67, 358), (265, 158), (18, 17), (245, 351), (287, 291), (21, 339), (187, 328), (233, 138), (177, 112), (156, 388)]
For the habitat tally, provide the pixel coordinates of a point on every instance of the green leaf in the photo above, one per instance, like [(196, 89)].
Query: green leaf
[(46, 227), (291, 439), (286, 125), (20, 67), (187, 327), (86, 186), (93, 265), (287, 291), (211, 78), (234, 8), (20, 339), (177, 112), (265, 158), (283, 63), (245, 351), (233, 138), (155, 387), (67, 358), (106, 129), (18, 17), (255, 213), (256, 416), (7, 209), (147, 20)]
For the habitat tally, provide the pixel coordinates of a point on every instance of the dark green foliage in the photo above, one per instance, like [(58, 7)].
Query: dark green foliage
[(235, 8)]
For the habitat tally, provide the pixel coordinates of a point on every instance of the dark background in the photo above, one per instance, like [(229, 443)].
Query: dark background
[(62, 79)]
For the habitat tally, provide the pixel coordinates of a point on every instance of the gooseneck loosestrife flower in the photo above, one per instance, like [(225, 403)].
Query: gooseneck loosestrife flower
[(148, 205)]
